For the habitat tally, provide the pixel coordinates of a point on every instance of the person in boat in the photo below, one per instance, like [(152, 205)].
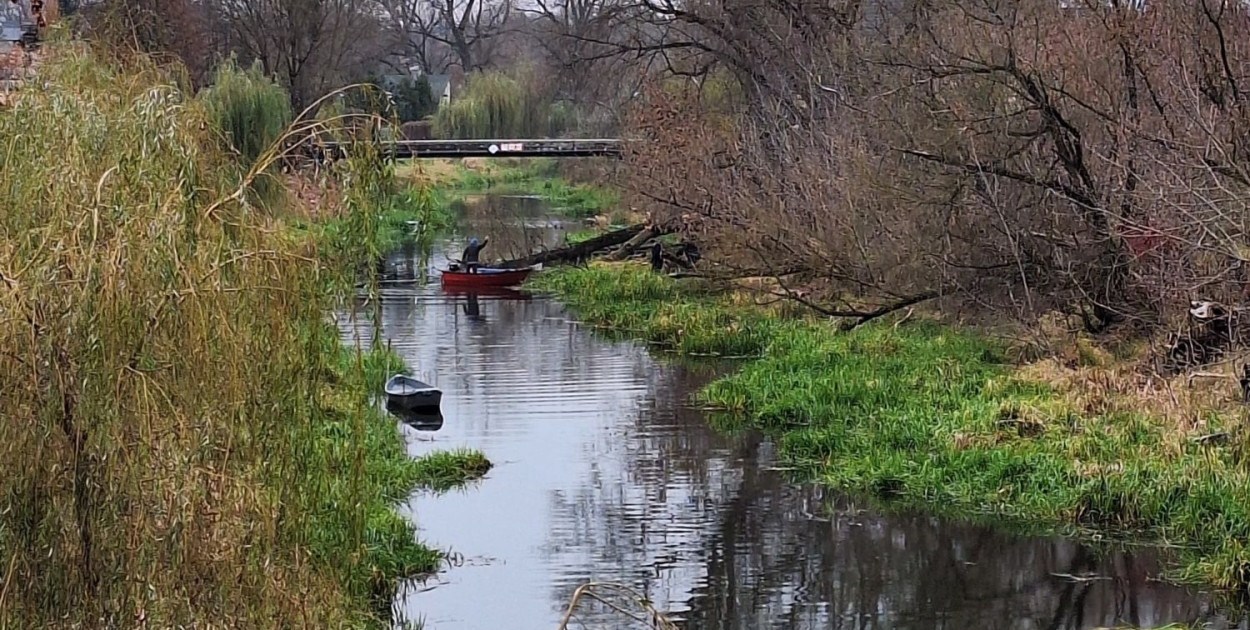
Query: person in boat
[(471, 253)]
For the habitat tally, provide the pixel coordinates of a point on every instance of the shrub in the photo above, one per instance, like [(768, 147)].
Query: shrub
[(414, 100), (250, 111), (497, 106)]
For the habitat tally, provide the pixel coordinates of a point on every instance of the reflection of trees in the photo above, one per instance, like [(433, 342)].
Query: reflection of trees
[(511, 346), (517, 226), (759, 558), (866, 571), (703, 527)]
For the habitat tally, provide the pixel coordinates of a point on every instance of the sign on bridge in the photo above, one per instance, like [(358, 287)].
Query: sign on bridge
[(508, 147)]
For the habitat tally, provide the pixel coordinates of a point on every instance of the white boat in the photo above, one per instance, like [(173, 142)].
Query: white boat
[(410, 393)]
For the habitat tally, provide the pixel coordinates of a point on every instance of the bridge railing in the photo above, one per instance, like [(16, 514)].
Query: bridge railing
[(539, 147)]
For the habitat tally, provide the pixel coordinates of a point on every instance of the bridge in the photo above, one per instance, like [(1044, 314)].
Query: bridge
[(496, 148)]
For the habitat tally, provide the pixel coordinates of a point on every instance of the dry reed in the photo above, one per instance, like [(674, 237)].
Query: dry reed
[(627, 605), (164, 459)]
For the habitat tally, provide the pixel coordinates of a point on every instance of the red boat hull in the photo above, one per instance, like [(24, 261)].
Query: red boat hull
[(509, 278)]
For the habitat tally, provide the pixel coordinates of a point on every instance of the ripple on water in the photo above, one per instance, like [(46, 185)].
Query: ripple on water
[(604, 474)]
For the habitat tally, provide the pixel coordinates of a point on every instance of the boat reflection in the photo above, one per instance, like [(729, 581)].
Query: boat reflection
[(494, 293), (472, 297), (419, 419)]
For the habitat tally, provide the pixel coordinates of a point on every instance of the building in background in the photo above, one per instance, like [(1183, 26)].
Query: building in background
[(22, 20), (440, 87), (440, 84)]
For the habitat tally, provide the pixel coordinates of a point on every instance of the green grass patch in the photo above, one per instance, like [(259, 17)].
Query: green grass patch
[(629, 302), (390, 551), (445, 470), (537, 176), (409, 215), (928, 417), (580, 236)]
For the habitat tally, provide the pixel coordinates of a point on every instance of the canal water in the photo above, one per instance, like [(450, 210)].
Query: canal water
[(603, 472)]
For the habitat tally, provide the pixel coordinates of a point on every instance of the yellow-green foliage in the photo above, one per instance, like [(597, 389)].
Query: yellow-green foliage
[(720, 92), (250, 111), (182, 444), (494, 105)]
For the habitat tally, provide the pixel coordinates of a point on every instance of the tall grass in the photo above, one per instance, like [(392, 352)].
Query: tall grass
[(182, 444), (933, 418)]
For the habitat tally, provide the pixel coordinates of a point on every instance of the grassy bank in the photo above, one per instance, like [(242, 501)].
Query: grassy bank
[(928, 417), (412, 214), (388, 475), (539, 177), (186, 443)]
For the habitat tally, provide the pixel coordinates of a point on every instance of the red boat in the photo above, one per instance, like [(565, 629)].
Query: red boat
[(485, 277)]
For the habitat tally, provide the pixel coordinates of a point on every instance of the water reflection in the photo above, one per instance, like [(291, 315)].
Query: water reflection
[(602, 473), (517, 225), (470, 299), (418, 419)]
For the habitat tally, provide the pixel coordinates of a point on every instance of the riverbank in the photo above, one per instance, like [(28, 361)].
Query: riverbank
[(187, 442), (356, 432), (917, 415), (413, 212), (532, 176)]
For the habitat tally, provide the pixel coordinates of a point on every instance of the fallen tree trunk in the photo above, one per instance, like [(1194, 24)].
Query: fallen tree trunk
[(578, 252), (632, 244)]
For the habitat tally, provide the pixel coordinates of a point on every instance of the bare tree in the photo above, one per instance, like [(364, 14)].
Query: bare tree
[(443, 33), (573, 40), (309, 44), (158, 27), (1088, 157)]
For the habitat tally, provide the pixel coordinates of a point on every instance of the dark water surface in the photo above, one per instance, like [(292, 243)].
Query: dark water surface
[(603, 473)]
